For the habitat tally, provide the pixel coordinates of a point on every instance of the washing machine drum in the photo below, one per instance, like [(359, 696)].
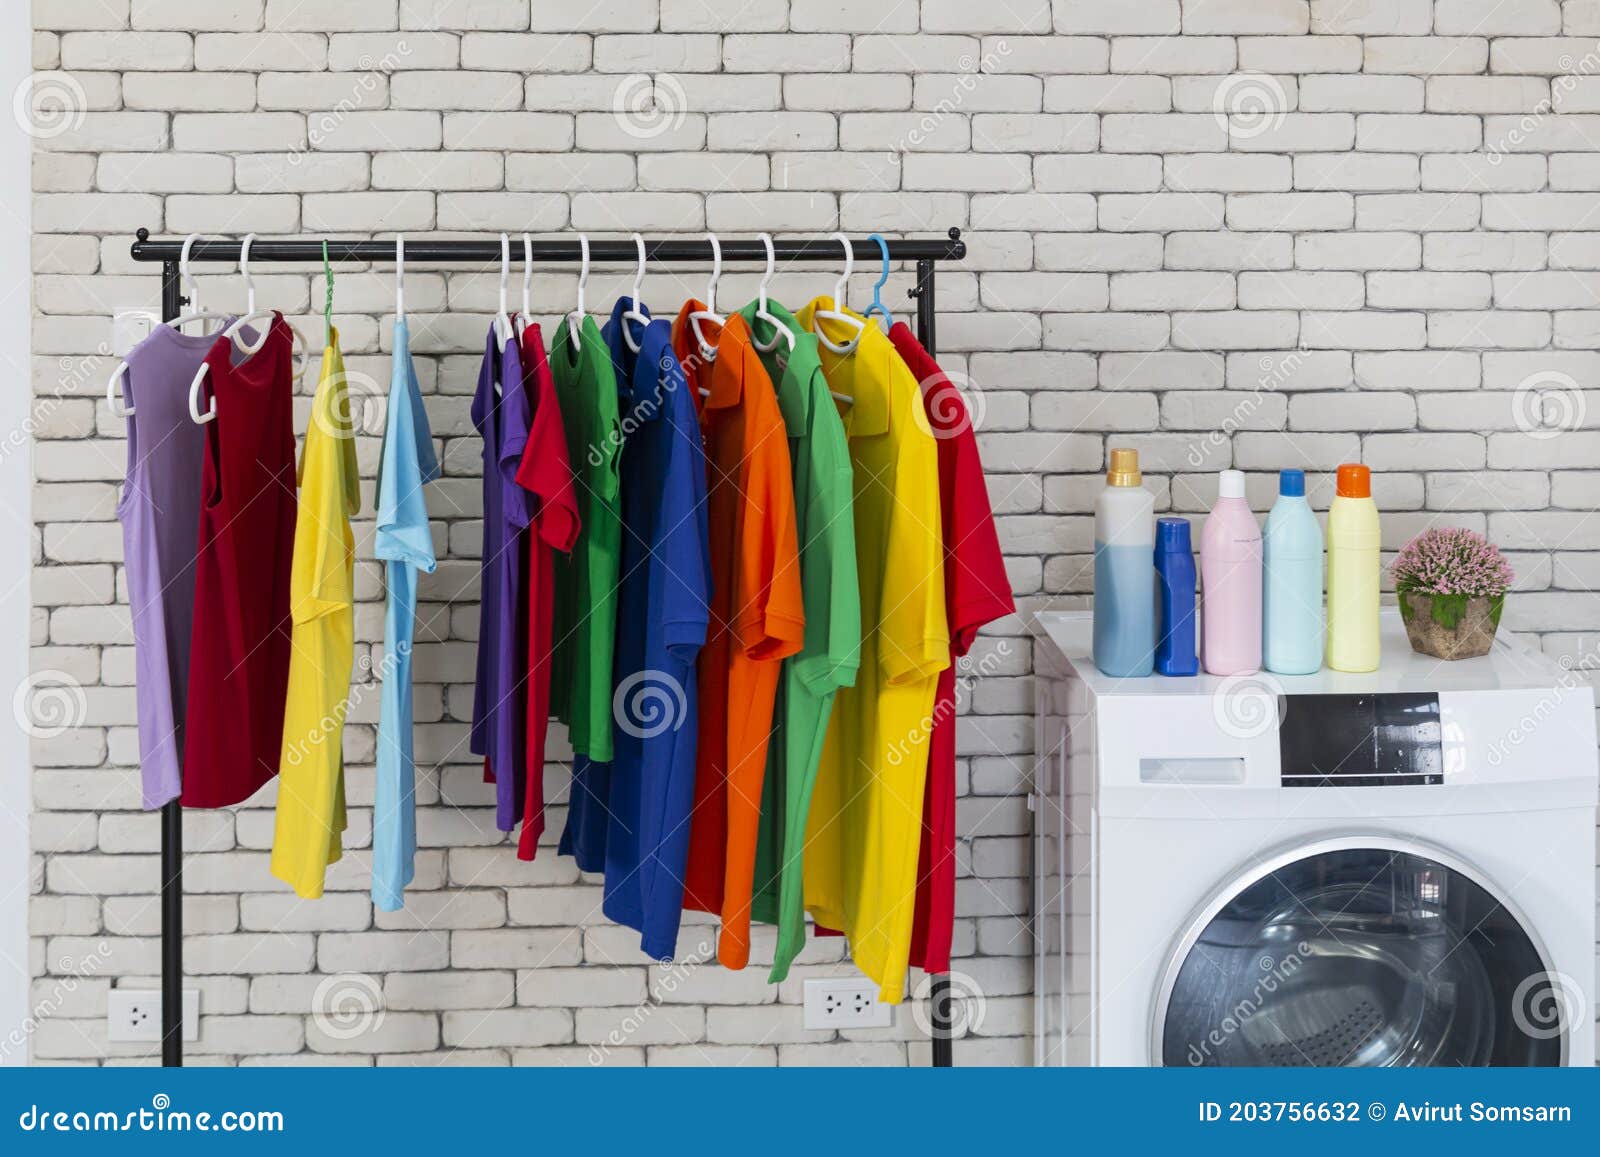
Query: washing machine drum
[(1362, 956)]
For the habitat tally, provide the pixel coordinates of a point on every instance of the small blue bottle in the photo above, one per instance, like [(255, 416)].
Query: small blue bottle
[(1291, 594), (1175, 635)]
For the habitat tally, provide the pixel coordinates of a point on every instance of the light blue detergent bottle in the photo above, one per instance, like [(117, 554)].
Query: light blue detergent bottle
[(1291, 596), (1124, 571)]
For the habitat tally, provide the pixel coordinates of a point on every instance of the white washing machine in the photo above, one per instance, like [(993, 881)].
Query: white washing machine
[(1395, 868)]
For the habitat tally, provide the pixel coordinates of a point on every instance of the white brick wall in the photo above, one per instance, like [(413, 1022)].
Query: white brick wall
[(1375, 262)]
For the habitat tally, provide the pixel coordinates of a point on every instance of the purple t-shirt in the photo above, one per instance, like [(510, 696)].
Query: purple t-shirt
[(501, 413), (160, 515)]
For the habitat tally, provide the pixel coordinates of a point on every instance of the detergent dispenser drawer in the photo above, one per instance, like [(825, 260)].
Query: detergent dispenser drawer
[(1360, 740)]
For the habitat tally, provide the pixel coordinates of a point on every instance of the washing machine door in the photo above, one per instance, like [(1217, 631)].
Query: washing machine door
[(1361, 952)]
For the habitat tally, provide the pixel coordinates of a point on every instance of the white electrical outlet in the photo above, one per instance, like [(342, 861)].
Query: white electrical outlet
[(130, 326), (134, 1014), (845, 1002)]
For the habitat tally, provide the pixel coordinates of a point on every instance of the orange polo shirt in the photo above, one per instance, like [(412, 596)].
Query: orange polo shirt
[(757, 618)]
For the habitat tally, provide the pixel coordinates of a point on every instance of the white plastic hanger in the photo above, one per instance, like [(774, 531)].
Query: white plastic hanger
[(114, 383), (708, 351), (634, 312), (525, 318), (399, 276), (575, 318), (254, 317), (195, 313), (818, 316), (503, 328), (762, 313)]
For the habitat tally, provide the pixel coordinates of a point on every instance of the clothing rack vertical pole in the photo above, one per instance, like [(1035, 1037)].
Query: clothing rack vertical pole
[(939, 990), (171, 829)]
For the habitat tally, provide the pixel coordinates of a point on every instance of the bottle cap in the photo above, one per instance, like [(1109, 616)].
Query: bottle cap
[(1172, 535), (1292, 483), (1230, 484), (1355, 481), (1124, 469)]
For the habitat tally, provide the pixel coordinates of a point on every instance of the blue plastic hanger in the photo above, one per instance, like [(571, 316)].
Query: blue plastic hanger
[(877, 306)]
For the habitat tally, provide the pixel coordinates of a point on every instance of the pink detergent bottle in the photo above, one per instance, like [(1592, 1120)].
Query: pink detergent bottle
[(1230, 582)]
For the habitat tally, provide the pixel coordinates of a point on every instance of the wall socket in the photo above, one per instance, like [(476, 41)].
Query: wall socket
[(134, 1014), (845, 1002)]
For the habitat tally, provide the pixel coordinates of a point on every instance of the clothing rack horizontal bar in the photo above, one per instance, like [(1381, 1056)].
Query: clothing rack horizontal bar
[(608, 250)]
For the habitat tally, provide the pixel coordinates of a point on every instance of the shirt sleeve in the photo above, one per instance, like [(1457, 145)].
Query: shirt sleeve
[(682, 550), (546, 472), (914, 639), (770, 617), (403, 534), (977, 588), (832, 652), (320, 578)]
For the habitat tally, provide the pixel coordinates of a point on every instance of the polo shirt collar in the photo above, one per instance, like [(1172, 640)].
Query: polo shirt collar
[(863, 375), (799, 365), (728, 371)]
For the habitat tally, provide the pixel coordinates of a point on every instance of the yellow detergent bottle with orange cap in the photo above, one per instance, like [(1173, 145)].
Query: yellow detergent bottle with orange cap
[(1353, 567)]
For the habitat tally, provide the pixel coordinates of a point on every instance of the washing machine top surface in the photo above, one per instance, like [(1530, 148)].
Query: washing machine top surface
[(1510, 665)]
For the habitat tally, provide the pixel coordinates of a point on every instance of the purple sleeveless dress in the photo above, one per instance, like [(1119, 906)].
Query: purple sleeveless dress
[(160, 516)]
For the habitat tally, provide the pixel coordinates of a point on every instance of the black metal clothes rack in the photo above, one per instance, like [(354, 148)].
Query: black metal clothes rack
[(926, 253)]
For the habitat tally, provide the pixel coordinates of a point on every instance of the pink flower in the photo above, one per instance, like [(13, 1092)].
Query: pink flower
[(1452, 561)]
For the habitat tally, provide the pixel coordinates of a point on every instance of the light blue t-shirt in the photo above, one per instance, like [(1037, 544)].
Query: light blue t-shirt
[(405, 543)]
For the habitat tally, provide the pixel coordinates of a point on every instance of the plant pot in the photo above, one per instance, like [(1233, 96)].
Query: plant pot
[(1450, 626)]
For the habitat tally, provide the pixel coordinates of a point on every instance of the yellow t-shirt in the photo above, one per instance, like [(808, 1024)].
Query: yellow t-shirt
[(860, 864), (311, 806)]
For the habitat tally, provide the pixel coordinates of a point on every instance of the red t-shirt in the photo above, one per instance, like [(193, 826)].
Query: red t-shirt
[(976, 591), (239, 653), (547, 474)]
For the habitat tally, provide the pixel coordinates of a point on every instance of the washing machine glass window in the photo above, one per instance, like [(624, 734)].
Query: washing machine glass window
[(1361, 956)]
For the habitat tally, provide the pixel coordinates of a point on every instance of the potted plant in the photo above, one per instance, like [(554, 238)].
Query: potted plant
[(1452, 586)]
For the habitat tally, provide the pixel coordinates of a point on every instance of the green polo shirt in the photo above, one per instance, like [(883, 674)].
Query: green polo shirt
[(585, 619), (819, 454)]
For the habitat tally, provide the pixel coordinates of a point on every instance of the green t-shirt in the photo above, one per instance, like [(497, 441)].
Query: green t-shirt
[(819, 454), (585, 621)]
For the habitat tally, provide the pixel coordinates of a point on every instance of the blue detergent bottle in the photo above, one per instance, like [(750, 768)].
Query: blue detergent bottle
[(1175, 620), (1291, 594)]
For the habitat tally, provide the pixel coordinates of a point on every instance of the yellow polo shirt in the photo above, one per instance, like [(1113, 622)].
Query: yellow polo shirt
[(860, 865), (311, 803)]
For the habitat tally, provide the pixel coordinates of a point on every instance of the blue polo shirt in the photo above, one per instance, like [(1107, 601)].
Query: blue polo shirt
[(664, 599)]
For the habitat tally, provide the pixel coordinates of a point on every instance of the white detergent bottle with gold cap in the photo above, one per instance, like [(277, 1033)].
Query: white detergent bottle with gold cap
[(1124, 571), (1353, 538)]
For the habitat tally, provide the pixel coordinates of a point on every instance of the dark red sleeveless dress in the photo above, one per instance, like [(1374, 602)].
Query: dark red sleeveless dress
[(239, 653)]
